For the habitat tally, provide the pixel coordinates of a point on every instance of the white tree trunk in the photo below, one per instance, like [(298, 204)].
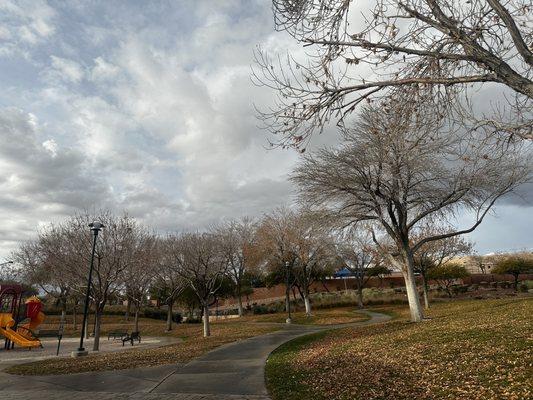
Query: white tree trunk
[(307, 305), (239, 303), (412, 294), (207, 330), (425, 289)]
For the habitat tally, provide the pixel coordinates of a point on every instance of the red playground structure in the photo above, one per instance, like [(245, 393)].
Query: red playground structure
[(10, 305)]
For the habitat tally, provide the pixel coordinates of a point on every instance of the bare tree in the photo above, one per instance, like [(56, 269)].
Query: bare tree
[(42, 263), (436, 253), (398, 170), (294, 237), (359, 255), (237, 240), (169, 280), (203, 268), (451, 45), (139, 273), (112, 257)]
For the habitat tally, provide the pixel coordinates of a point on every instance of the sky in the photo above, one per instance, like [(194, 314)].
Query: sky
[(148, 107)]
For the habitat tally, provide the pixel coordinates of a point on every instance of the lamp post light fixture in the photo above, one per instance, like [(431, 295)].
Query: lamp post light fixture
[(288, 267), (95, 228)]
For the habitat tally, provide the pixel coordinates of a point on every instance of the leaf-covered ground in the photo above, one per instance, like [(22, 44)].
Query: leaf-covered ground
[(193, 345), (333, 316), (480, 349)]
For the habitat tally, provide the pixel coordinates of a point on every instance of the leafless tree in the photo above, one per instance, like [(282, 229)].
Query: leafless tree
[(169, 280), (359, 255), (451, 45), (295, 237), (113, 256), (237, 240), (398, 168), (41, 263), (436, 253), (203, 268), (140, 272)]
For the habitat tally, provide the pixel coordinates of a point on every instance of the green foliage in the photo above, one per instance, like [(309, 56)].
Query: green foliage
[(161, 314), (448, 271), (514, 266)]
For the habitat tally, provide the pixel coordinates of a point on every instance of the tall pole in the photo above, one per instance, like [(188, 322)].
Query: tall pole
[(288, 266), (95, 228)]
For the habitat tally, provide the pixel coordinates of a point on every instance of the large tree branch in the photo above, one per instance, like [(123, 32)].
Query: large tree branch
[(509, 22), (460, 232), (391, 47)]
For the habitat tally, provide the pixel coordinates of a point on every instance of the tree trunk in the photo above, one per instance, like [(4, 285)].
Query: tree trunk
[(87, 335), (207, 330), (136, 323), (307, 305), (287, 299), (128, 309), (360, 296), (426, 290), (515, 284), (412, 293), (239, 305), (74, 319), (169, 316), (97, 317)]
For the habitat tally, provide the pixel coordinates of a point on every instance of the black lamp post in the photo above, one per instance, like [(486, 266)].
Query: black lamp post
[(95, 228), (288, 267)]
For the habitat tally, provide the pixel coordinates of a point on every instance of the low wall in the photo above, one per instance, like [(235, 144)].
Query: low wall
[(268, 295)]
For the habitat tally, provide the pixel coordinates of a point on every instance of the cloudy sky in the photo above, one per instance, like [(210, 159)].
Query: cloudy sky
[(148, 107)]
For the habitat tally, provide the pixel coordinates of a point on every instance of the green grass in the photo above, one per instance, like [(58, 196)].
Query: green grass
[(480, 349)]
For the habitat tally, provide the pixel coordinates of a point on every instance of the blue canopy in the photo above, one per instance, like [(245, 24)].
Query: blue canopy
[(343, 273)]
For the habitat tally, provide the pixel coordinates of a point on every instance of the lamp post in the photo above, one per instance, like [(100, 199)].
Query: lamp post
[(288, 267), (95, 228)]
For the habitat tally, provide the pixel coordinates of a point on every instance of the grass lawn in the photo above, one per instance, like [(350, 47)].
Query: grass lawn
[(193, 345), (332, 316), (480, 349)]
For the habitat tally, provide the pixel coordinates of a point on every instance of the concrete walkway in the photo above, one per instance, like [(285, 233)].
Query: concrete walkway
[(231, 372)]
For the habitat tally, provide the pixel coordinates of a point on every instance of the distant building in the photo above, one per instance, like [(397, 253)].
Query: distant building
[(476, 264)]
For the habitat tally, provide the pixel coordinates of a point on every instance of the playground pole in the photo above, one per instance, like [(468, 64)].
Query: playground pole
[(95, 228)]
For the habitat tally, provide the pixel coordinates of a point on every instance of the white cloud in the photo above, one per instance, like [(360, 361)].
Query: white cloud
[(66, 70), (144, 109)]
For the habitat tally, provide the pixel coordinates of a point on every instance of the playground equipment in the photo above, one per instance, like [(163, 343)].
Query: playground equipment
[(21, 335)]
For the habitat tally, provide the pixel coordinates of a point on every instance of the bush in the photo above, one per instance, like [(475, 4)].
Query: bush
[(160, 314)]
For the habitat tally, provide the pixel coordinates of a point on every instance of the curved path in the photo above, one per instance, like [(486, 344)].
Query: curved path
[(233, 371)]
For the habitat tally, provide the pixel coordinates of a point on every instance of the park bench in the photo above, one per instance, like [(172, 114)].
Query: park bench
[(130, 338), (117, 334), (55, 333)]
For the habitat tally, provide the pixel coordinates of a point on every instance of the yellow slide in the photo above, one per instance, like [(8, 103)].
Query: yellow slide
[(6, 323)]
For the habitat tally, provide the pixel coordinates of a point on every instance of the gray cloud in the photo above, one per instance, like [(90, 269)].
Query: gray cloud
[(143, 108)]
